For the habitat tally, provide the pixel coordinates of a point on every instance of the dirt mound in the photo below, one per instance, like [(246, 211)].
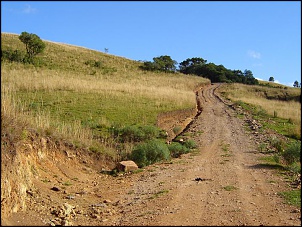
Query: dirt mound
[(34, 164)]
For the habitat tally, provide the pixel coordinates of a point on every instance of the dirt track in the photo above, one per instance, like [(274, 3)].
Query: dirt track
[(233, 189), (227, 157)]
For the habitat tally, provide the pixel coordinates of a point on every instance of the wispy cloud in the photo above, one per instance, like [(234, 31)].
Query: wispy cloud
[(254, 54), (28, 9)]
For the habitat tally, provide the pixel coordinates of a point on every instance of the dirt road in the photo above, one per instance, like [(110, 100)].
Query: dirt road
[(233, 189), (220, 184)]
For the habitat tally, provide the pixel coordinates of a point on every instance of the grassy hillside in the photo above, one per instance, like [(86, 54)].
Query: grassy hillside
[(280, 104), (82, 95), (79, 94)]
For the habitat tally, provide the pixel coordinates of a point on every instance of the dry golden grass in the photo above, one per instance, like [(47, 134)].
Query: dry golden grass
[(256, 95), (175, 89), (64, 69)]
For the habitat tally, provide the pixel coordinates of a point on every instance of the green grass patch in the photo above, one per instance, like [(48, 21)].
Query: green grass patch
[(90, 108), (230, 188), (225, 147), (45, 180), (292, 197), (67, 183), (159, 193), (271, 159), (281, 126)]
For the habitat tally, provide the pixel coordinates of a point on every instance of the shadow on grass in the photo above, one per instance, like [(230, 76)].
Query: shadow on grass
[(268, 166)]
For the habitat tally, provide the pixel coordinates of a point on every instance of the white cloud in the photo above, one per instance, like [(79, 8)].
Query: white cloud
[(291, 84), (254, 54), (28, 9)]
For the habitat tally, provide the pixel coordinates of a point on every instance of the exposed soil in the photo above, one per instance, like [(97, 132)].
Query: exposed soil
[(222, 183)]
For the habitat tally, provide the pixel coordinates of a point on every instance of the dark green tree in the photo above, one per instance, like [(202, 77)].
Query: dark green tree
[(165, 63), (34, 45), (271, 79), (191, 65), (296, 84), (249, 78), (148, 65)]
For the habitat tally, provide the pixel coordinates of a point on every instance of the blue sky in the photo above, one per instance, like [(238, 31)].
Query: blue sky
[(261, 36)]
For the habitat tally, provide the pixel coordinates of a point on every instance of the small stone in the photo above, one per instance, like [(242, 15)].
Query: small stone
[(55, 189)]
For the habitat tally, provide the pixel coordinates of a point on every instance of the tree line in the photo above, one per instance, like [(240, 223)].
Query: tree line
[(199, 66)]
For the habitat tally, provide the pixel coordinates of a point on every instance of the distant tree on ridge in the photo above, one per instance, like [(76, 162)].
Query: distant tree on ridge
[(34, 45)]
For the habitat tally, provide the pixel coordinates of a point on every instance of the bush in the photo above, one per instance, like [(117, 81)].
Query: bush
[(150, 66), (137, 133), (93, 63), (150, 152), (177, 129), (295, 168), (20, 56), (12, 55), (277, 143), (292, 153), (190, 144), (132, 133), (176, 149)]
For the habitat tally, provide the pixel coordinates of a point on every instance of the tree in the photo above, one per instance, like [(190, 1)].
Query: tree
[(296, 84), (34, 45), (162, 63), (148, 65), (165, 63), (191, 65), (249, 78), (271, 79)]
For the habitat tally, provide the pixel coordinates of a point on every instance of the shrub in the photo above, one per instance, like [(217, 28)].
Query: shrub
[(150, 132), (132, 133), (12, 55), (93, 63), (292, 153), (17, 56), (277, 143), (176, 149), (190, 144), (137, 133), (177, 129), (148, 66), (150, 152), (295, 168)]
